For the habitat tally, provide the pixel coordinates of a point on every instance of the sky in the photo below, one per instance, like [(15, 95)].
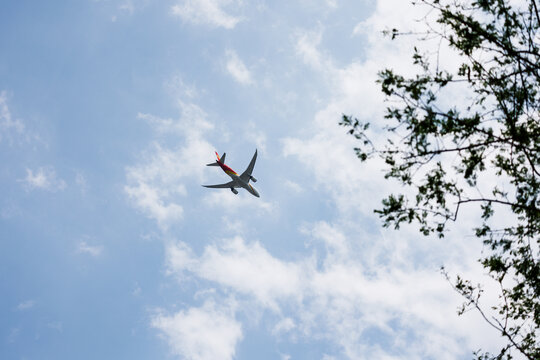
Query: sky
[(111, 249)]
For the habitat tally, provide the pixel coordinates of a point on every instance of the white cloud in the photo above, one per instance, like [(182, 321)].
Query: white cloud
[(127, 6), (85, 248), (156, 185), (333, 238), (9, 210), (192, 122), (258, 137), (283, 326), (150, 199), (234, 225), (206, 12), (80, 180), (177, 87), (56, 325), (235, 66), (10, 128), (119, 8), (332, 3), (329, 156), (209, 332), (247, 268), (335, 296), (226, 200), (13, 335), (26, 305), (307, 47), (136, 290), (295, 187), (44, 178), (327, 151)]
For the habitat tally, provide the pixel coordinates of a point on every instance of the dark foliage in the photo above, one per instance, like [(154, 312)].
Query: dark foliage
[(495, 133)]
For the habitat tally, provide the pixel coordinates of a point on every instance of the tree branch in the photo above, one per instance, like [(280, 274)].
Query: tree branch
[(536, 11)]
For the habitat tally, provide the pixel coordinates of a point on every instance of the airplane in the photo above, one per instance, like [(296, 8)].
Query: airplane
[(238, 181)]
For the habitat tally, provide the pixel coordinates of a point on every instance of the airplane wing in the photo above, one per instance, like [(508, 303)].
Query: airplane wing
[(228, 185), (246, 174)]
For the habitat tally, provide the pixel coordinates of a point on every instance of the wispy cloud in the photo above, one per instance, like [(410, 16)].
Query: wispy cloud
[(209, 332), (121, 8), (255, 136), (136, 290), (80, 180), (226, 200), (332, 3), (127, 6), (56, 325), (156, 184), (9, 126), (179, 89), (26, 305), (206, 12), (326, 151), (283, 326), (295, 187), (13, 335), (308, 48), (334, 296), (150, 199), (44, 178), (92, 250), (247, 268), (237, 69)]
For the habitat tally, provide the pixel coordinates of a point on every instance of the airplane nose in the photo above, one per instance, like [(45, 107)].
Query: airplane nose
[(252, 190)]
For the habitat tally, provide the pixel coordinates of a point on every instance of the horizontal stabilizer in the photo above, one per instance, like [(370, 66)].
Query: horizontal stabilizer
[(213, 164)]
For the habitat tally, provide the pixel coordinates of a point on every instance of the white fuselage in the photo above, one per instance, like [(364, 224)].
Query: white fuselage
[(243, 184)]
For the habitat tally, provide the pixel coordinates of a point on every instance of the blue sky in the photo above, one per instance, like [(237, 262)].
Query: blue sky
[(111, 249)]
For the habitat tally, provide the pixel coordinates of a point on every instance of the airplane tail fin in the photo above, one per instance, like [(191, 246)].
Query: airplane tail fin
[(220, 159)]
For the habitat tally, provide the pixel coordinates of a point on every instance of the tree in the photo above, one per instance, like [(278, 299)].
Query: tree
[(495, 133)]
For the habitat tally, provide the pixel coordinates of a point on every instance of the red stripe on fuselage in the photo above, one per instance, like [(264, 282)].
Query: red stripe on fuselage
[(227, 169)]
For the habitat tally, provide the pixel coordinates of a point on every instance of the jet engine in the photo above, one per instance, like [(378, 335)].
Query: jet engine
[(234, 191), (252, 179)]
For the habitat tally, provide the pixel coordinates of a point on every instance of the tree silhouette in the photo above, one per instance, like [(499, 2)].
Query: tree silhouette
[(447, 154)]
